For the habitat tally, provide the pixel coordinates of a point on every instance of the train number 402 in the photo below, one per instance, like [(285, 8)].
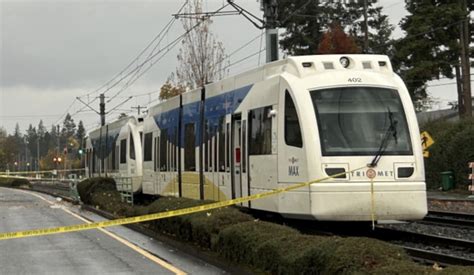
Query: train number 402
[(355, 79)]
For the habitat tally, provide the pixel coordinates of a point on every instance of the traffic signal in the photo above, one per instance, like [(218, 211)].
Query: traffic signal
[(80, 151)]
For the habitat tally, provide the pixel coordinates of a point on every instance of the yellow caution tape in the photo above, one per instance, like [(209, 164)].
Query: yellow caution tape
[(161, 215)]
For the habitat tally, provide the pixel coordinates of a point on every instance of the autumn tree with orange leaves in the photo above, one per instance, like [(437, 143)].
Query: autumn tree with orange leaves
[(336, 41)]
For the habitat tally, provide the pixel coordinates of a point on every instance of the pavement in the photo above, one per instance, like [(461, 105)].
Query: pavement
[(99, 251)]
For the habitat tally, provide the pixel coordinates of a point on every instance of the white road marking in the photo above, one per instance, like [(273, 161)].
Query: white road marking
[(143, 252)]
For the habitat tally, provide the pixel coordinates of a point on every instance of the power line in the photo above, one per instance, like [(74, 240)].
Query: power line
[(141, 53), (167, 48), (243, 59), (167, 26)]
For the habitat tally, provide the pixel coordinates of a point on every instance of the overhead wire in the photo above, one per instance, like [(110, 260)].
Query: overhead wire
[(132, 62), (168, 47)]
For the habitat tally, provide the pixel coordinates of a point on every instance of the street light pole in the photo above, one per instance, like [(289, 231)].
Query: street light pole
[(37, 154)]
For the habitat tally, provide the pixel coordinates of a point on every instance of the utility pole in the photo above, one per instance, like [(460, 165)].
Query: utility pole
[(58, 139), (102, 112), (37, 154), (270, 13), (366, 29), (465, 63), (138, 108), (102, 109)]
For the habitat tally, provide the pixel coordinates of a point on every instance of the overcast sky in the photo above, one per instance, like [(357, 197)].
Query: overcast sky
[(54, 51)]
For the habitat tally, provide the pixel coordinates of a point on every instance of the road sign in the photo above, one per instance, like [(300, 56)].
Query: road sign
[(426, 140)]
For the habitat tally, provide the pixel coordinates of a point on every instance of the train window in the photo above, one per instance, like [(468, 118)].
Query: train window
[(227, 133), (155, 155), (244, 145), (93, 161), (132, 147), (205, 146), (123, 151), (176, 149), (292, 125), (260, 131), (189, 147), (221, 144), (147, 147), (117, 153), (170, 152), (164, 139), (113, 157)]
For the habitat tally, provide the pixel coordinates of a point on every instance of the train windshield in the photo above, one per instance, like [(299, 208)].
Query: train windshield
[(355, 121)]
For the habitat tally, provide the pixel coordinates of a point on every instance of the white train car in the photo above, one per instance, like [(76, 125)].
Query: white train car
[(114, 150), (293, 121)]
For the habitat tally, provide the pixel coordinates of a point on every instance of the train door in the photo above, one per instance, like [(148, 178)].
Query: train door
[(156, 163), (236, 145), (243, 161)]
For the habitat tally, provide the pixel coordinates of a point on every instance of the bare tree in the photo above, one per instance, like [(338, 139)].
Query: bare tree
[(201, 58)]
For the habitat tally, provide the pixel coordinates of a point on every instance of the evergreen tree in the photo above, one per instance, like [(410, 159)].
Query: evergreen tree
[(430, 49), (31, 138), (69, 127), (53, 137), (3, 155), (81, 132), (17, 133), (42, 135), (305, 23)]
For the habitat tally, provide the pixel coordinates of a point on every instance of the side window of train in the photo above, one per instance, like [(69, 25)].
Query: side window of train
[(117, 154), (221, 144), (132, 147), (123, 150), (260, 131), (205, 145), (189, 148), (163, 140), (147, 147), (113, 157), (93, 161), (176, 150), (155, 155), (292, 124)]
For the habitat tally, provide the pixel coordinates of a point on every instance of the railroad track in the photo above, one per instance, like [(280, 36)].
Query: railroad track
[(58, 189), (429, 248), (448, 218)]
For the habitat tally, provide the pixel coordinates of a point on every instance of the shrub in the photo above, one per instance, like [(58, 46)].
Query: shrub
[(265, 246), (452, 150), (13, 182), (88, 187)]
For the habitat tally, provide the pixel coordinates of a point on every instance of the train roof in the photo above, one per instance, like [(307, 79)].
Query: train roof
[(299, 66), (115, 124)]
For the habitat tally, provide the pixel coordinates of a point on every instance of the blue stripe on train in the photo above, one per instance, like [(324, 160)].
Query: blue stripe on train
[(214, 108)]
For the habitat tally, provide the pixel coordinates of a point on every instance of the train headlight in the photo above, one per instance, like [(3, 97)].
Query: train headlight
[(344, 62)]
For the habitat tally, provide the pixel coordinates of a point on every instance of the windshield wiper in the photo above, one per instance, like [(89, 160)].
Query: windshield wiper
[(392, 130)]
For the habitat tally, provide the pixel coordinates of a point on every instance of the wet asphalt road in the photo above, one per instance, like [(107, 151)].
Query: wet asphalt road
[(84, 252)]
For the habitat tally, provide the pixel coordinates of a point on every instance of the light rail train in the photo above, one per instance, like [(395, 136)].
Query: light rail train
[(287, 122)]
